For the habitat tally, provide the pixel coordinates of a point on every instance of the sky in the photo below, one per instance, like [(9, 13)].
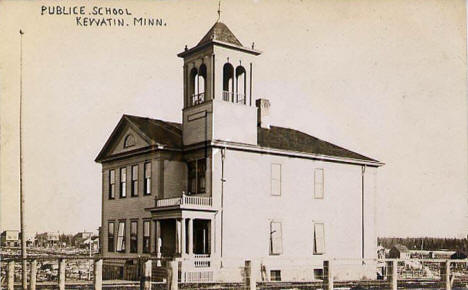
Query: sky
[(386, 79)]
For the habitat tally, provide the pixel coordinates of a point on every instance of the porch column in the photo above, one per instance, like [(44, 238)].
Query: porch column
[(184, 238), (153, 236), (178, 237), (212, 237), (190, 237), (158, 238)]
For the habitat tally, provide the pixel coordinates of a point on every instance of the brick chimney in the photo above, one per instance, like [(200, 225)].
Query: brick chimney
[(263, 113)]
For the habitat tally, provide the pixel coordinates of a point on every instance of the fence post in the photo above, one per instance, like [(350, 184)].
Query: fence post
[(98, 274), (328, 275), (173, 279), (32, 278), (11, 275), (61, 279), (145, 281), (392, 274), (445, 274), (250, 280)]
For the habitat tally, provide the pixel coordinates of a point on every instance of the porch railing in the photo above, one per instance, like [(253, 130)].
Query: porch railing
[(185, 200), (202, 261)]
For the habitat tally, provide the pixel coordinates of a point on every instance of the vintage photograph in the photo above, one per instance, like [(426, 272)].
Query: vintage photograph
[(233, 144)]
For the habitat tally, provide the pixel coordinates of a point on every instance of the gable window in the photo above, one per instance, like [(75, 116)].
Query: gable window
[(129, 141), (276, 179), (121, 238), (319, 238), (111, 184), (110, 237), (123, 182), (134, 237), (197, 176), (276, 238), (318, 183), (147, 185), (135, 180), (146, 236)]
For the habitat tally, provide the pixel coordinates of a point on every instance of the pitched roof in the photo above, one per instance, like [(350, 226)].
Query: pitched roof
[(169, 134), (401, 248), (219, 31), (294, 140), (159, 131), (155, 132)]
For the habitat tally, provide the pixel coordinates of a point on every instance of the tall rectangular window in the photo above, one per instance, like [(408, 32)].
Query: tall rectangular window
[(147, 178), (133, 237), (276, 238), (197, 176), (111, 184), (201, 171), (123, 182), (275, 179), (318, 183), (146, 236), (121, 238), (319, 238), (134, 180), (192, 176), (110, 236)]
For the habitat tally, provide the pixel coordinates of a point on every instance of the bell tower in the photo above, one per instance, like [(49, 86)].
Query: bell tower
[(218, 89)]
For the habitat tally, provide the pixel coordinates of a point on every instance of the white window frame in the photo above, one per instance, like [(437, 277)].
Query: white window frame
[(147, 173), (134, 185), (319, 183), (275, 249), (275, 181), (121, 237), (123, 182), (319, 238)]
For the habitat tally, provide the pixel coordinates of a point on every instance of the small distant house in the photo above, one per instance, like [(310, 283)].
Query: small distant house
[(399, 252), (79, 239), (9, 238), (47, 240), (458, 255)]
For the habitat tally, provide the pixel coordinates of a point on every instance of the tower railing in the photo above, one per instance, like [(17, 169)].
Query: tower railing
[(198, 98), (233, 97)]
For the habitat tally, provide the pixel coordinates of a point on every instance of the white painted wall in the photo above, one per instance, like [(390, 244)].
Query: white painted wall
[(249, 207)]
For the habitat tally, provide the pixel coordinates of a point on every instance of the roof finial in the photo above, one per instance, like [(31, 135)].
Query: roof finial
[(219, 10)]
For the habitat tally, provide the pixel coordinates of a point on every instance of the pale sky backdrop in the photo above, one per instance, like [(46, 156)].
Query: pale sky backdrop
[(386, 79)]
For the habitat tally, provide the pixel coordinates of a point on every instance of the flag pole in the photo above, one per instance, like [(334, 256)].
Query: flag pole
[(21, 191)]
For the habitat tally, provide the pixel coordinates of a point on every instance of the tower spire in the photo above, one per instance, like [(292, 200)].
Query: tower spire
[(219, 10)]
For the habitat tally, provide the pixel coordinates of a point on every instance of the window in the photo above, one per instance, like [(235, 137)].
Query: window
[(135, 180), (111, 184), (197, 176), (275, 275), (129, 141), (110, 237), (201, 170), (147, 184), (319, 239), (192, 175), (228, 82), (123, 182), (134, 237), (121, 238), (318, 183), (146, 236), (240, 85), (276, 239), (275, 179)]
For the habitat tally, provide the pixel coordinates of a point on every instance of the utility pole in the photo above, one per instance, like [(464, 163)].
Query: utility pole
[(21, 191)]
